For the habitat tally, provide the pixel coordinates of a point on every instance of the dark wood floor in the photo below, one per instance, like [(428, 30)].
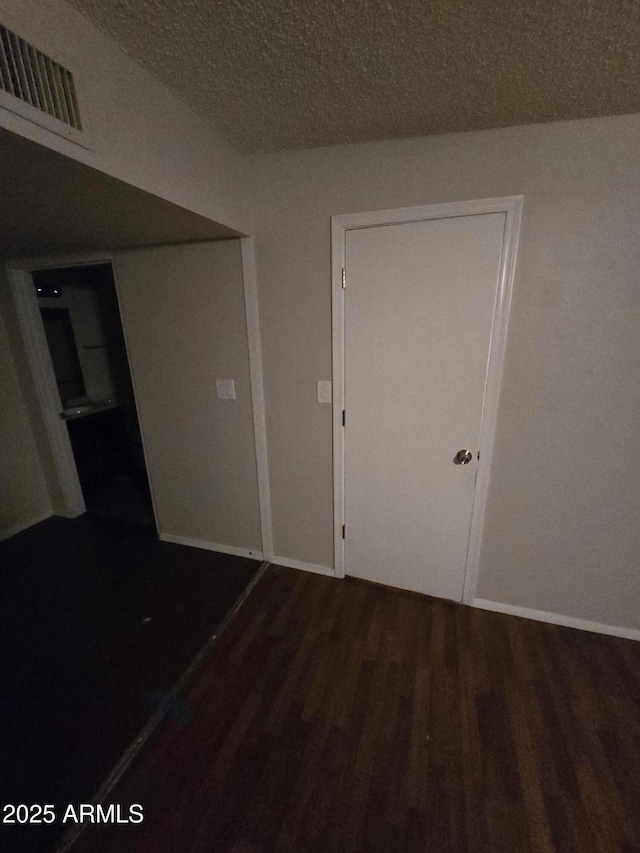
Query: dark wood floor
[(98, 620), (340, 716)]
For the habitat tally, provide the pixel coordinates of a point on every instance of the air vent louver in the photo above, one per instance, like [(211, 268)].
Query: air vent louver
[(33, 77)]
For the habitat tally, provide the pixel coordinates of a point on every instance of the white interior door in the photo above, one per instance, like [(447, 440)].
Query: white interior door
[(419, 308)]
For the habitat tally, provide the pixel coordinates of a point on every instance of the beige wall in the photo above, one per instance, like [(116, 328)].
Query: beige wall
[(142, 133), (561, 533), (184, 319), (24, 498)]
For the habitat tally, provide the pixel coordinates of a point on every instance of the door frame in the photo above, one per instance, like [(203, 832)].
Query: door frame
[(511, 206), (20, 277), (41, 369)]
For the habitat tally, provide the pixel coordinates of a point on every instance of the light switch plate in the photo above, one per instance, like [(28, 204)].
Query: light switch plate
[(324, 391), (225, 389)]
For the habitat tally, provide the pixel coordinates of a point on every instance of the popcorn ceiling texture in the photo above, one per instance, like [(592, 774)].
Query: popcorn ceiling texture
[(278, 74)]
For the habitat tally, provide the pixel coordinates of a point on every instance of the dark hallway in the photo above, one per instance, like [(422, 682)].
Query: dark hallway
[(81, 319)]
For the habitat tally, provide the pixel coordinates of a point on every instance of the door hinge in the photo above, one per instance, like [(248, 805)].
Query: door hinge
[(344, 418), (344, 527), (344, 277)]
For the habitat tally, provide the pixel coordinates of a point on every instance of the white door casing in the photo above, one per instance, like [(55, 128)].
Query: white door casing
[(71, 501), (418, 345)]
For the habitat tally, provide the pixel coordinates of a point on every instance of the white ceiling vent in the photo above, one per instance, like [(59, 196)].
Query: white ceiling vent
[(38, 88)]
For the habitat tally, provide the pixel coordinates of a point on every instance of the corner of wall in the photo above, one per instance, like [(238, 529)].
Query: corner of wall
[(27, 498)]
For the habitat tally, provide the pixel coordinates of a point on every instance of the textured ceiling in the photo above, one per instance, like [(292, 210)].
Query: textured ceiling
[(279, 74)]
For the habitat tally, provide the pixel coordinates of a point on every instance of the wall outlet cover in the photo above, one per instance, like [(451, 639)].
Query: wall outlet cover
[(324, 391), (225, 389)]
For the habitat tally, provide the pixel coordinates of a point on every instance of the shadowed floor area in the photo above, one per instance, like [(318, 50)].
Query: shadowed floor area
[(123, 499), (341, 716), (98, 620)]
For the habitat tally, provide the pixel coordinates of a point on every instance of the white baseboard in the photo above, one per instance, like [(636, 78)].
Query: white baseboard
[(557, 619), (305, 567), (211, 546), (18, 528)]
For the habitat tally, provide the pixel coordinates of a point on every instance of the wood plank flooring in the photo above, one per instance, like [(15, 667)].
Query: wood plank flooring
[(98, 620), (341, 716)]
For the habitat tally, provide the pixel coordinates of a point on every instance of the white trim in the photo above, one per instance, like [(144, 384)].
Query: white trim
[(257, 391), (24, 525), (338, 237), (15, 106), (513, 210), (511, 206), (43, 262), (557, 619), (305, 567), (211, 546), (44, 381)]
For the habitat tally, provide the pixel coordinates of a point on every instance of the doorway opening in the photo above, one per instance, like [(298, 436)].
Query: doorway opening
[(78, 306)]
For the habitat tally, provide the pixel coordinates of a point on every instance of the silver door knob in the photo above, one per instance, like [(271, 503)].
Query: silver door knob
[(462, 457)]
